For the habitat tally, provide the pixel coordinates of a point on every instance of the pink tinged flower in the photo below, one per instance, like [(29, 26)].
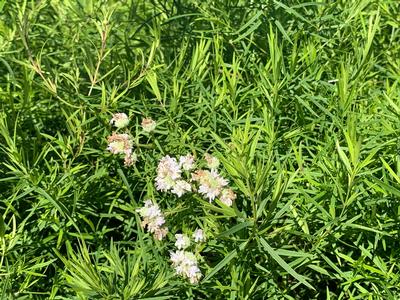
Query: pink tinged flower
[(185, 264), (212, 161), (168, 172), (227, 196), (153, 219), (194, 274), (186, 162), (177, 257), (211, 183), (159, 221), (130, 158), (182, 241), (148, 124), (119, 120), (181, 187), (119, 143), (161, 233), (198, 236)]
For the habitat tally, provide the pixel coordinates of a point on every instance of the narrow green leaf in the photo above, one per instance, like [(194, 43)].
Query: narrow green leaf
[(152, 80), (344, 158), (2, 226), (283, 264), (235, 228), (231, 255)]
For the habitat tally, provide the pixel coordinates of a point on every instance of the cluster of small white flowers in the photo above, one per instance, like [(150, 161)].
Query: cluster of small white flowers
[(227, 196), (169, 175), (121, 143), (212, 184), (177, 176), (182, 241), (181, 187), (186, 162), (212, 161), (198, 235), (168, 172), (148, 124), (185, 264), (153, 219), (130, 158), (119, 120)]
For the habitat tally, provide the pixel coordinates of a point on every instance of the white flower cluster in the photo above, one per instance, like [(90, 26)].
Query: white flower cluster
[(148, 125), (182, 241), (177, 176), (210, 183), (121, 143), (119, 120), (153, 219), (185, 262), (198, 235), (169, 174)]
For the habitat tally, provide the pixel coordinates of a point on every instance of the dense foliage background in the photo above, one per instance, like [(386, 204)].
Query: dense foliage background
[(299, 100)]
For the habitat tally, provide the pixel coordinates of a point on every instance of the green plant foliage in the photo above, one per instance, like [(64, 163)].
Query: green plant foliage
[(299, 101)]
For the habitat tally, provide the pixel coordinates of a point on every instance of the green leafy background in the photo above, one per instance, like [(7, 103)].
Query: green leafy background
[(299, 100)]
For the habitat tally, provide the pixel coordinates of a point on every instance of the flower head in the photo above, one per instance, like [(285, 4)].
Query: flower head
[(198, 235), (148, 124), (211, 183), (181, 187), (227, 196), (153, 219), (130, 158), (182, 241), (119, 143), (185, 264), (168, 172), (186, 162), (212, 161), (119, 120)]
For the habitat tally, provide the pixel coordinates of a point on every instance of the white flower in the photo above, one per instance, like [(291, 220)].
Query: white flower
[(211, 183), (193, 273), (186, 162), (130, 158), (185, 264), (148, 124), (182, 241), (168, 172), (198, 235), (212, 161), (181, 187), (153, 219), (161, 233), (227, 196), (177, 257), (119, 143), (119, 120)]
